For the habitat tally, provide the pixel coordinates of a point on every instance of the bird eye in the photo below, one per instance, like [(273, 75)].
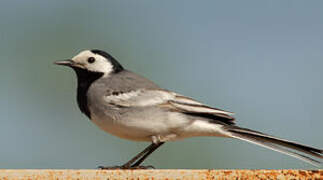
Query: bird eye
[(91, 60)]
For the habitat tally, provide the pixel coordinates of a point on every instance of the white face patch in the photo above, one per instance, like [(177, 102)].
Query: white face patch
[(100, 64)]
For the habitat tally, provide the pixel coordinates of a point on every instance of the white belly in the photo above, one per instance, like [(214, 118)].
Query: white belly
[(139, 127), (173, 126), (120, 130)]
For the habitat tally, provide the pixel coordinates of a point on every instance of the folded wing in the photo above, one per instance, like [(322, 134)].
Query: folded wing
[(170, 100)]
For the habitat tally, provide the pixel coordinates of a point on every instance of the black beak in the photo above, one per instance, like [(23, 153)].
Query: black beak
[(67, 62)]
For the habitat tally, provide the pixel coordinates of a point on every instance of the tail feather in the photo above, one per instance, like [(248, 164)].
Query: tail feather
[(276, 144)]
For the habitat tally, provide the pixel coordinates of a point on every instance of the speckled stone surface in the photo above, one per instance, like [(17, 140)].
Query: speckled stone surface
[(168, 174)]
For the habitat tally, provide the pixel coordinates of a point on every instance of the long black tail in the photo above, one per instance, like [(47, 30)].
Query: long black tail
[(276, 144)]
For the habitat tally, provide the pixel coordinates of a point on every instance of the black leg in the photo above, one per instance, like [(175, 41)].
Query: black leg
[(142, 155), (147, 149), (151, 150)]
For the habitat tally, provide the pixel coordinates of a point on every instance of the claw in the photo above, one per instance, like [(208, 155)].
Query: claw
[(110, 167), (143, 167), (124, 167)]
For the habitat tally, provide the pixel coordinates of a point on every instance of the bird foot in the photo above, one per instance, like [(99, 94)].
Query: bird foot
[(125, 167), (110, 167), (143, 167)]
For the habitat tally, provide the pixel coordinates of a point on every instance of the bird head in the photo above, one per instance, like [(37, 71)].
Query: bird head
[(96, 61)]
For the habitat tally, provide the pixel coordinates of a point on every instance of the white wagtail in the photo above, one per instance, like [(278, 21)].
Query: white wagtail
[(132, 107)]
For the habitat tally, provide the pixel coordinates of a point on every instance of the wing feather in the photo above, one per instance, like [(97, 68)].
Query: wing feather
[(139, 97), (198, 108), (169, 100)]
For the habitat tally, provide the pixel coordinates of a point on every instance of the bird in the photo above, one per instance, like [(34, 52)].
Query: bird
[(130, 106)]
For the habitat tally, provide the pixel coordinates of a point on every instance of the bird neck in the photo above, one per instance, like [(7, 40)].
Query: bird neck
[(84, 80)]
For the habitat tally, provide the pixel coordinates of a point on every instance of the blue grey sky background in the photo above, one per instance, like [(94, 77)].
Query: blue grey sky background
[(260, 59)]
